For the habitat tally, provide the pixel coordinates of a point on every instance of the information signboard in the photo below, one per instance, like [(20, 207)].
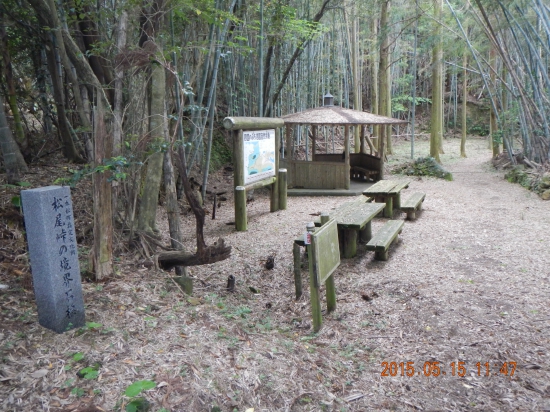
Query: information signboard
[(259, 155), (326, 251)]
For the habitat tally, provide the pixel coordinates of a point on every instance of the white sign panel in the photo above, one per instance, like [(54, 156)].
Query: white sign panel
[(259, 155)]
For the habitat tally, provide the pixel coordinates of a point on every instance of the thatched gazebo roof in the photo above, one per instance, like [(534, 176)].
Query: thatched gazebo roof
[(335, 115)]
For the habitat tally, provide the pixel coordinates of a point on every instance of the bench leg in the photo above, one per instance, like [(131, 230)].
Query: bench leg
[(366, 234), (314, 287), (411, 215), (388, 210), (330, 293), (381, 255), (297, 270), (350, 243)]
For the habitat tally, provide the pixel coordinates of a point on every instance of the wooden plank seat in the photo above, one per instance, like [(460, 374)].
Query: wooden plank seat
[(381, 241), (358, 172), (354, 221), (412, 204), (388, 192)]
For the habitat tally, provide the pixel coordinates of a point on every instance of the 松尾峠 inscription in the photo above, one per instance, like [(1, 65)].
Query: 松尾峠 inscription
[(53, 253)]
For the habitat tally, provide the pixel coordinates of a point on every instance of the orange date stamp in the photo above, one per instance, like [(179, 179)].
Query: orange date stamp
[(436, 369)]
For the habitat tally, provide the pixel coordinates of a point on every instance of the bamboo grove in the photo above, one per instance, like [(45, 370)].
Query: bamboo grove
[(137, 88)]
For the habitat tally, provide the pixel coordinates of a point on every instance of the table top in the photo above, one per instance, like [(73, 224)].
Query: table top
[(383, 187), (353, 215)]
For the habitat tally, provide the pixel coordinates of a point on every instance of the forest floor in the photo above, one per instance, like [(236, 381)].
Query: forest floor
[(467, 286)]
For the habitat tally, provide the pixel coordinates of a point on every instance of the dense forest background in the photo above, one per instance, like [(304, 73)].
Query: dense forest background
[(133, 92)]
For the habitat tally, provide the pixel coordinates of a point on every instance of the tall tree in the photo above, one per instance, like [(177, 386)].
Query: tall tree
[(384, 80), (152, 18), (493, 124), (464, 104), (7, 70), (13, 159), (103, 217), (52, 36), (436, 125)]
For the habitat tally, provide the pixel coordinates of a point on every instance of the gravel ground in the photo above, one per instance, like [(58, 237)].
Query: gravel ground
[(463, 299)]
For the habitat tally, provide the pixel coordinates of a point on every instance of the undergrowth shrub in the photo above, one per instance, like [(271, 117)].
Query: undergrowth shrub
[(424, 166)]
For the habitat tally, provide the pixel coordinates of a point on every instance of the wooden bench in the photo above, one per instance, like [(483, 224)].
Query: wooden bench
[(358, 172), (354, 220), (382, 240), (388, 192), (412, 204)]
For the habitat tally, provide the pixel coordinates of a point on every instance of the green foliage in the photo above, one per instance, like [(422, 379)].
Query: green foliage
[(221, 153), (78, 392), (426, 166), (138, 405), (78, 356), (403, 102), (479, 129), (236, 313), (137, 387), (520, 176), (16, 200), (89, 372), (117, 166)]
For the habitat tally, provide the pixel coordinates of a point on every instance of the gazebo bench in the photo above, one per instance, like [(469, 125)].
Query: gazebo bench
[(381, 241), (412, 204), (361, 172)]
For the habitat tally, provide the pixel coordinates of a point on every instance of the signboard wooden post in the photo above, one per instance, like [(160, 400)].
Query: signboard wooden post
[(324, 259), (256, 161)]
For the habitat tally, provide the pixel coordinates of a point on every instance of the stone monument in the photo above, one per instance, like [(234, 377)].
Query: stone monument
[(53, 255)]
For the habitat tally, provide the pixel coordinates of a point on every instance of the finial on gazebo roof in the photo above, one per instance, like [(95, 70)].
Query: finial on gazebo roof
[(328, 100)]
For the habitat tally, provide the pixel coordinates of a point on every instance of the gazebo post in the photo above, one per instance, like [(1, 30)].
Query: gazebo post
[(346, 154), (314, 142), (289, 146), (362, 150)]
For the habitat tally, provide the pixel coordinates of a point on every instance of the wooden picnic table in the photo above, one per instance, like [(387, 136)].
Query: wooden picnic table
[(354, 221), (388, 192)]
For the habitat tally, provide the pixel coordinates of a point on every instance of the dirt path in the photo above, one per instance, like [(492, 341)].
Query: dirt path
[(467, 284), (470, 284)]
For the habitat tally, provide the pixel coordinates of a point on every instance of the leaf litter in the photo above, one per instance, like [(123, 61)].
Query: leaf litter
[(467, 282)]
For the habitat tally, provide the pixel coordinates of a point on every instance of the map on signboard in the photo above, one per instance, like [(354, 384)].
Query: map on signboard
[(259, 155), (326, 251)]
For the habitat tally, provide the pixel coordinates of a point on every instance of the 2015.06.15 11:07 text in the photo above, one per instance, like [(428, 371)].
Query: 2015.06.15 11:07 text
[(436, 369)]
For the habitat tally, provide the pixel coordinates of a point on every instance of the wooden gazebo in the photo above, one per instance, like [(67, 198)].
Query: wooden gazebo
[(333, 170)]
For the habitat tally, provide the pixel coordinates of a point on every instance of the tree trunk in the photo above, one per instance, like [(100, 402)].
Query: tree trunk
[(13, 159), (119, 78), (157, 91), (64, 128), (437, 87), (55, 50), (172, 206), (5, 64), (103, 216), (384, 84), (356, 79), (55, 23), (375, 96), (384, 74), (151, 188), (495, 145), (464, 104)]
